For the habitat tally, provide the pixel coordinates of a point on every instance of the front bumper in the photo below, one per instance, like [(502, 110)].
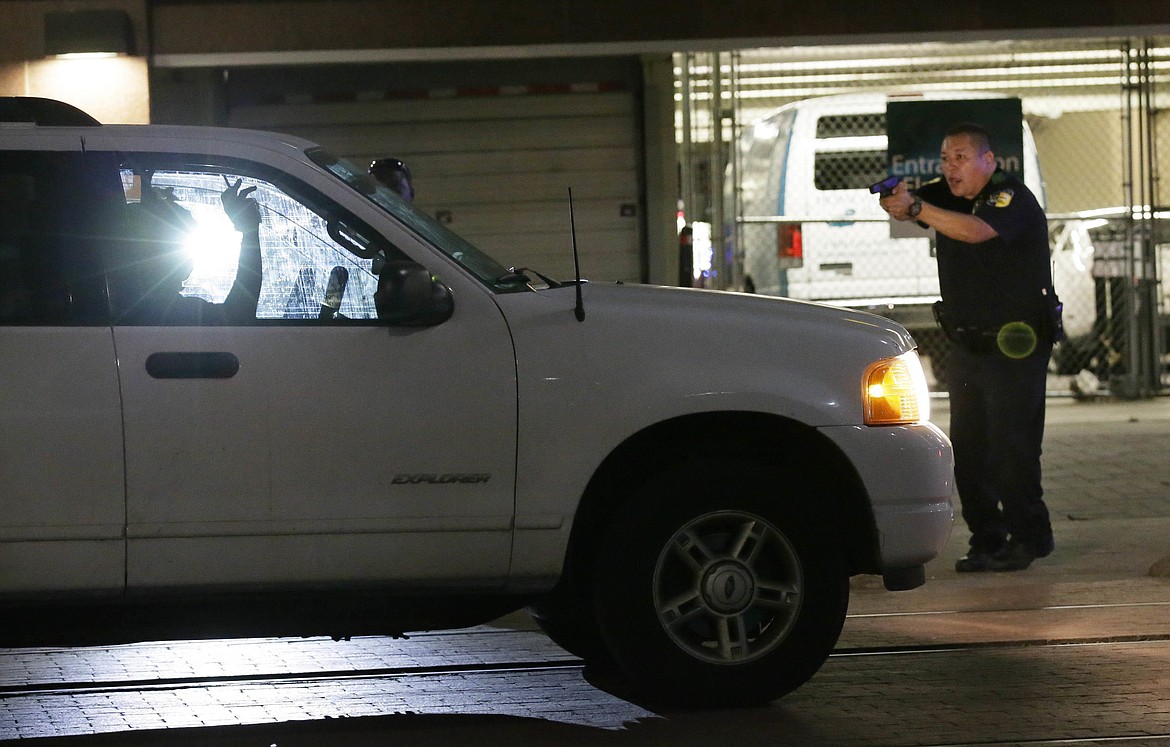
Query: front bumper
[(908, 473)]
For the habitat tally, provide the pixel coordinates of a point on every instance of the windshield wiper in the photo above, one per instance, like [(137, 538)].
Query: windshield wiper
[(520, 275)]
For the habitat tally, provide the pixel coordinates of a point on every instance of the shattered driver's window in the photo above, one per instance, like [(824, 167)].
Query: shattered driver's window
[(305, 273)]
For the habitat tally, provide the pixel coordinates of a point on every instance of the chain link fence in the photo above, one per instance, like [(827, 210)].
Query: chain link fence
[(780, 147)]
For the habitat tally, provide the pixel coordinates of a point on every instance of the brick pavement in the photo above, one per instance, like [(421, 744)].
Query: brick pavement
[(259, 657), (1116, 693)]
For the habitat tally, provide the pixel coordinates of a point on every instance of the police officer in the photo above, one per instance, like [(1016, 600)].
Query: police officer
[(394, 174), (997, 311)]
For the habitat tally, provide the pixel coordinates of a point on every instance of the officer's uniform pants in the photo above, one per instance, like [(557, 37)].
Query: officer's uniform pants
[(997, 425)]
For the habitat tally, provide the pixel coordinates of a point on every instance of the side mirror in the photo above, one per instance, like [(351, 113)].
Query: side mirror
[(408, 296)]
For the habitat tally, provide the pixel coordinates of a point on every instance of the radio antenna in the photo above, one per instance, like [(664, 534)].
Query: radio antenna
[(579, 310)]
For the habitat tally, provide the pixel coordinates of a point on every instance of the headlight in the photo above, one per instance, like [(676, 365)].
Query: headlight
[(894, 391)]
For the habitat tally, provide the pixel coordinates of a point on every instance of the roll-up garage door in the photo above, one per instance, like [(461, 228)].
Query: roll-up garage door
[(495, 161)]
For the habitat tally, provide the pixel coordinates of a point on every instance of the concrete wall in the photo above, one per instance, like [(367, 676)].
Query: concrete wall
[(1080, 153), (115, 91)]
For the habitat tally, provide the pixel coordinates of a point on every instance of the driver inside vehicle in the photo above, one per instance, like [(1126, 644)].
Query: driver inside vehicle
[(149, 268)]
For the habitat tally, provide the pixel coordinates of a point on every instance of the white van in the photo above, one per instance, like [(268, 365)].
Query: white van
[(810, 228)]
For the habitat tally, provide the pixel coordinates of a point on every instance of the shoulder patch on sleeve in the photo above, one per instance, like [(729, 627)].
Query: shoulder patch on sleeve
[(1000, 199)]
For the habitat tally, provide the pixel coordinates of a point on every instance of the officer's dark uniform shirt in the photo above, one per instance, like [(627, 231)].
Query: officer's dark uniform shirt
[(1003, 279)]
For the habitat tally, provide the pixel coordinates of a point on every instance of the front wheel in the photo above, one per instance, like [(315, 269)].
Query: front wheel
[(715, 587)]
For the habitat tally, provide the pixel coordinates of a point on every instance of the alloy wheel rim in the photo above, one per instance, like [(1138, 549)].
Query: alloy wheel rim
[(728, 587)]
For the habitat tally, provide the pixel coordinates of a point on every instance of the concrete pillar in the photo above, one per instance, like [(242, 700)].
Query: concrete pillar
[(661, 168)]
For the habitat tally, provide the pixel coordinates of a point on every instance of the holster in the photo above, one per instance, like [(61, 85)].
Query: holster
[(971, 338), (944, 320), (1055, 326)]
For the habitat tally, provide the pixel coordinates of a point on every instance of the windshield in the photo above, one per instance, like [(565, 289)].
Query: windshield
[(490, 272)]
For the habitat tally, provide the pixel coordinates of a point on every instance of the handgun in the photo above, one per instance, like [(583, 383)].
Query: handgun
[(885, 187)]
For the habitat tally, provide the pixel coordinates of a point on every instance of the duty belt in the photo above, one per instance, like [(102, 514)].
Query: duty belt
[(1015, 339)]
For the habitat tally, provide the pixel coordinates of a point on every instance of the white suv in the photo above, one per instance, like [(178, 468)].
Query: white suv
[(361, 424)]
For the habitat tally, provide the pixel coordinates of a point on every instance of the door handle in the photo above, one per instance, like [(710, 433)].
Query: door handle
[(192, 365)]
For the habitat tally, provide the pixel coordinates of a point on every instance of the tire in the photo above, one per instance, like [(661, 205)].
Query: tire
[(716, 587), (567, 619)]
